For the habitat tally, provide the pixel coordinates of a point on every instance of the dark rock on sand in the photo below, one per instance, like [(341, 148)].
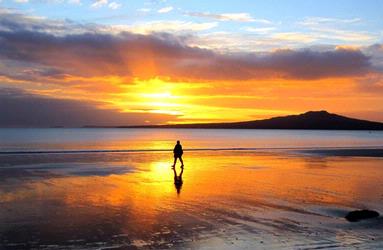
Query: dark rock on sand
[(358, 215)]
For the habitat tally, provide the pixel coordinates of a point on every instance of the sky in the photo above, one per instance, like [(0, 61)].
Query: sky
[(112, 62)]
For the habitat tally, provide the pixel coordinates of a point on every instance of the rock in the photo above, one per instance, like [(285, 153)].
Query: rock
[(358, 215)]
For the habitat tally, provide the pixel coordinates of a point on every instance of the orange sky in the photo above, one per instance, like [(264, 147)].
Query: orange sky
[(125, 78), (216, 100)]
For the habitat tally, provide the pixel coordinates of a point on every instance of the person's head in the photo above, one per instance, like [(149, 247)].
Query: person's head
[(178, 142)]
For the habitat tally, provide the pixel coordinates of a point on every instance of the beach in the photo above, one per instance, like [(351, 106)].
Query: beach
[(227, 199), (272, 111)]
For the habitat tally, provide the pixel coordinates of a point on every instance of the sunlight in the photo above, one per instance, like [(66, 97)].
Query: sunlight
[(166, 95), (155, 96), (159, 171), (161, 103)]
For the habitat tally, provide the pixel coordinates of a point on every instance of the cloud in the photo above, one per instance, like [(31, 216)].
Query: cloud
[(294, 36), (21, 1), (98, 52), (20, 108), (99, 3), (314, 21), (238, 17), (114, 5), (116, 65), (375, 51), (327, 28), (78, 2), (165, 26), (144, 10), (165, 9), (262, 30)]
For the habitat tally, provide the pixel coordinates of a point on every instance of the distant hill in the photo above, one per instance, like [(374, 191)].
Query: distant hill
[(308, 120)]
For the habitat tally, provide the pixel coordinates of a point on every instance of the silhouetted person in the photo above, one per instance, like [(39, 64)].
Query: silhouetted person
[(178, 180), (178, 154)]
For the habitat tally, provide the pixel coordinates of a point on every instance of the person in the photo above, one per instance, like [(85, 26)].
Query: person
[(178, 154)]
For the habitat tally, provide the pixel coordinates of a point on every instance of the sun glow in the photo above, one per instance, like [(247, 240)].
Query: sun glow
[(164, 101), (187, 103), (161, 102)]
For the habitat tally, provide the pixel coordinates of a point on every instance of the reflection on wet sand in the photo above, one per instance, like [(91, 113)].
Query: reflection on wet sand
[(133, 200), (178, 179)]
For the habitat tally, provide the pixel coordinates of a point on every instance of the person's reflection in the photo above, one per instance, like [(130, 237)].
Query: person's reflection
[(178, 180)]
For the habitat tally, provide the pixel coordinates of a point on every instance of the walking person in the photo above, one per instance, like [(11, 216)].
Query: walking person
[(178, 154)]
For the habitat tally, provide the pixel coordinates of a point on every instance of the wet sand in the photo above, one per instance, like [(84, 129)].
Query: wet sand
[(226, 200), (362, 152)]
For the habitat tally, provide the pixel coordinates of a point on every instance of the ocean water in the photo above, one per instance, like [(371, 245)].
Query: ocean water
[(64, 139)]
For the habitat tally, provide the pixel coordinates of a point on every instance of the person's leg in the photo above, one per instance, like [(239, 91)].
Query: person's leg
[(175, 161), (182, 162)]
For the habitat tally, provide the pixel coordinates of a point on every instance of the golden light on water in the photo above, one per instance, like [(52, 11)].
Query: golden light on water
[(159, 171), (218, 188), (151, 184)]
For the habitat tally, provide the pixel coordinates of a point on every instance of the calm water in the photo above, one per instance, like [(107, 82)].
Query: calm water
[(137, 139)]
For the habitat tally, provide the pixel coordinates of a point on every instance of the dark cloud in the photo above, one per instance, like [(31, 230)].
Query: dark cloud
[(82, 50), (22, 109), (309, 64), (375, 51)]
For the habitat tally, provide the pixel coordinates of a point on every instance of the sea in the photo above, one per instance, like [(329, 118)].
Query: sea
[(18, 140)]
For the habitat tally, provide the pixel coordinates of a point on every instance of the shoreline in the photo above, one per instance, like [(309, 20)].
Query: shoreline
[(367, 151)]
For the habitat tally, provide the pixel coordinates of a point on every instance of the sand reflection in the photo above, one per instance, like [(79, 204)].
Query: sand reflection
[(138, 199)]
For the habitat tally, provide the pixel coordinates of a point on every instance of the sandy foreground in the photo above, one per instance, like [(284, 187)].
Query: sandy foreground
[(224, 200)]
